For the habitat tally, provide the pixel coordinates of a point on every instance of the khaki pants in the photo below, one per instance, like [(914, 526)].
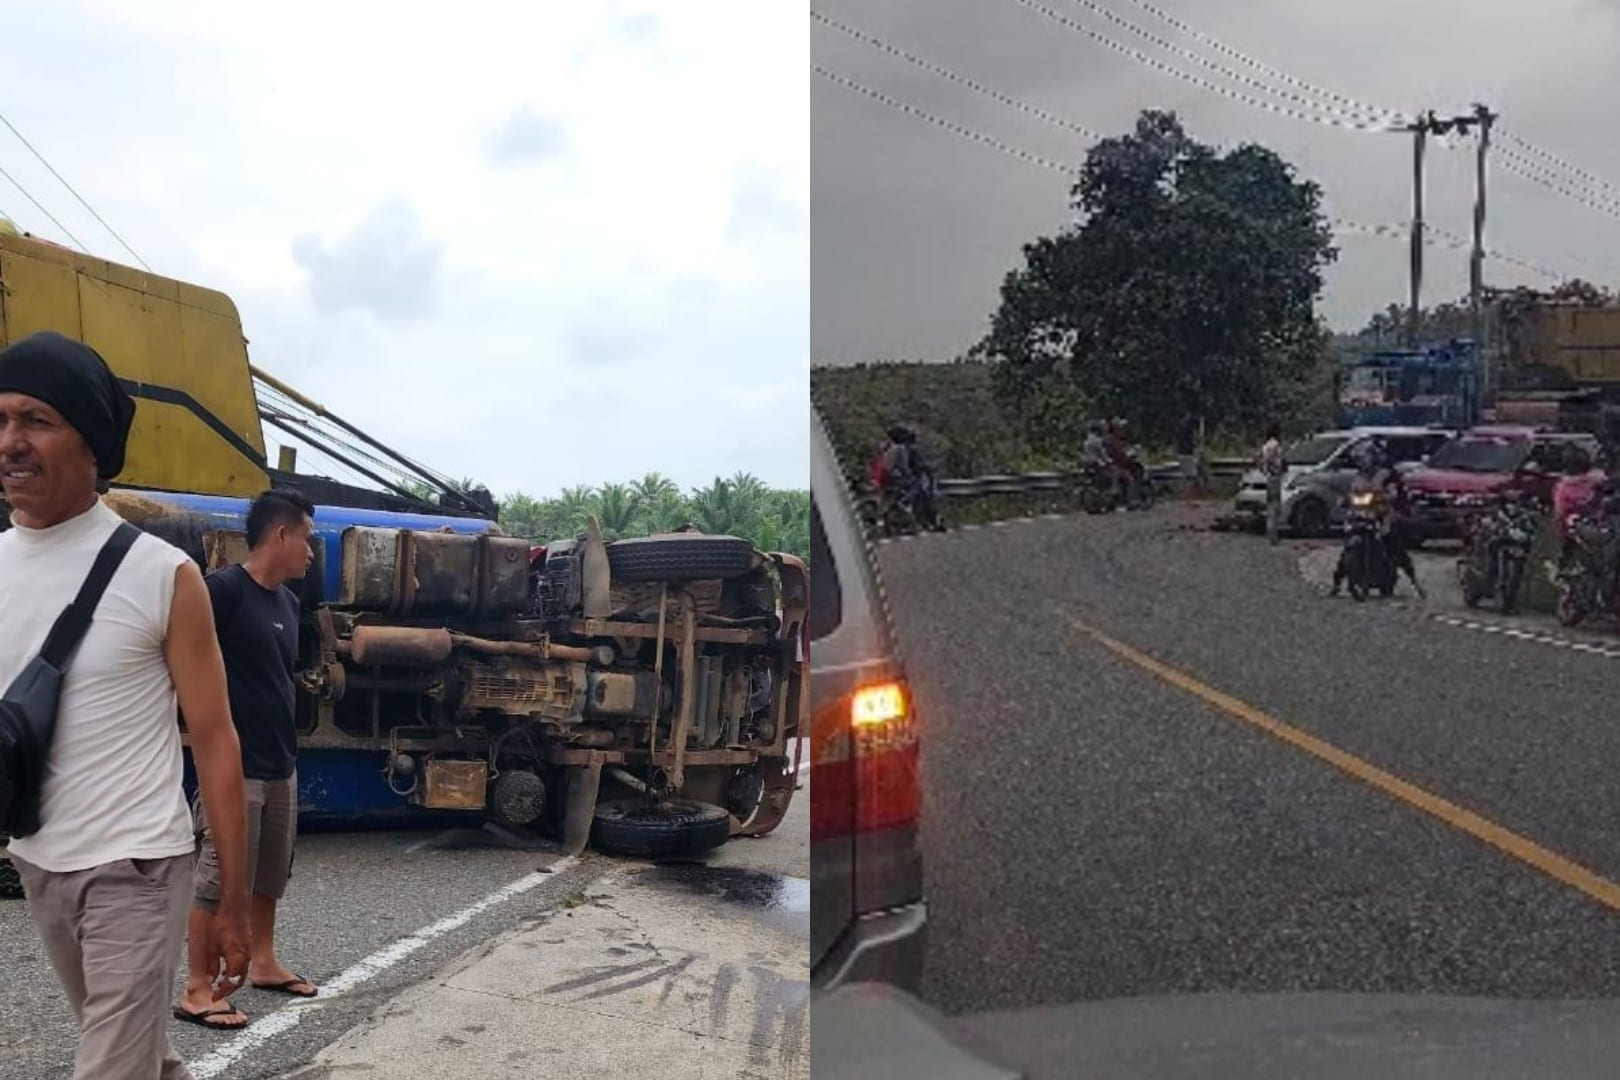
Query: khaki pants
[(113, 935)]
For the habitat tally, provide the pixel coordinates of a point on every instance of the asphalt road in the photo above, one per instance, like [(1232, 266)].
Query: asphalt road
[(1095, 831), (353, 897)]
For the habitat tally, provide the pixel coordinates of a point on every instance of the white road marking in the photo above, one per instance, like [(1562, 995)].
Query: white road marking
[(283, 1020), (1528, 635)]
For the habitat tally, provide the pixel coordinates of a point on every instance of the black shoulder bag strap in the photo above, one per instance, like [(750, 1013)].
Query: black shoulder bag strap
[(28, 706), (74, 622)]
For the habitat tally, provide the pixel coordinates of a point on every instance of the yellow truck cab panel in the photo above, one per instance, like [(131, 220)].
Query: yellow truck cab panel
[(178, 348)]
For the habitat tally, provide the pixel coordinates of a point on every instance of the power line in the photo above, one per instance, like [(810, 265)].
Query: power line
[(1343, 226), (73, 192), (1259, 65), (1544, 175), (1237, 76), (1549, 156), (948, 125), (960, 80), (1460, 243), (38, 206), (1339, 224), (1197, 80), (1525, 169)]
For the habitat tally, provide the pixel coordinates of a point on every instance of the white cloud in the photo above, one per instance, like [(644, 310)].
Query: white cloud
[(527, 137), (385, 265), (346, 173)]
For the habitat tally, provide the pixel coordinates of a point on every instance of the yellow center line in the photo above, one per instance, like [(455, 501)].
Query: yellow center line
[(1551, 863)]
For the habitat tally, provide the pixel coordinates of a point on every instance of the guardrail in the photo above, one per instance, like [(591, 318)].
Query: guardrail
[(1034, 483)]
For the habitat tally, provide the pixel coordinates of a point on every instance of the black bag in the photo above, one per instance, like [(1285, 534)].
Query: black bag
[(28, 708)]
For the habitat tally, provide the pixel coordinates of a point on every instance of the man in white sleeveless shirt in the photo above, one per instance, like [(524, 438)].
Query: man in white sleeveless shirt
[(108, 873)]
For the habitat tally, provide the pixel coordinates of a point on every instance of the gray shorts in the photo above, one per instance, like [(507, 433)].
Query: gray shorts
[(272, 826)]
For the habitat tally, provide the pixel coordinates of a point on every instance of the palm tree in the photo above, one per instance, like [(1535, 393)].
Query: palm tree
[(665, 513), (791, 510), (714, 508), (566, 514), (749, 487), (654, 486), (617, 507), (522, 515)]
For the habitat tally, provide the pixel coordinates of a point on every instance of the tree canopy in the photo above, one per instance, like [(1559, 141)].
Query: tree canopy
[(774, 519), (1185, 290)]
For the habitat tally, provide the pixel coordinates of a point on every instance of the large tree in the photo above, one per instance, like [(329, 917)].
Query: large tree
[(1185, 290)]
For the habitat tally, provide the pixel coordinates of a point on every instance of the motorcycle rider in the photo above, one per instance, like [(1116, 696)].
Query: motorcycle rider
[(875, 476), (907, 476), (1395, 531), (1126, 470), (1094, 456)]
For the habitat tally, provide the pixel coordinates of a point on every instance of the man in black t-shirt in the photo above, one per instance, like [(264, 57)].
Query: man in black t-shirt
[(256, 618)]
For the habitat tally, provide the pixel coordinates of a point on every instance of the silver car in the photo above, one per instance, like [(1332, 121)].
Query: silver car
[(867, 914), (1320, 469)]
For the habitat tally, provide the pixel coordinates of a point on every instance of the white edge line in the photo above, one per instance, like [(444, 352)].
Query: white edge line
[(289, 1016), (1527, 635)]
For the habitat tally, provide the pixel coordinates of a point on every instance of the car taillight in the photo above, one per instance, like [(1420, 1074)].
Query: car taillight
[(877, 705), (883, 733)]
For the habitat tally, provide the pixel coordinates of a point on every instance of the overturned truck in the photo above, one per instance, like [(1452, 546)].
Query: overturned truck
[(643, 693)]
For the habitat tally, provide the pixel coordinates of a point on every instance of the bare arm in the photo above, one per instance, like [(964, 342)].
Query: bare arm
[(198, 670)]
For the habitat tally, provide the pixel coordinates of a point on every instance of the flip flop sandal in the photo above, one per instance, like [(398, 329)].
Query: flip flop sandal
[(287, 987), (201, 1018)]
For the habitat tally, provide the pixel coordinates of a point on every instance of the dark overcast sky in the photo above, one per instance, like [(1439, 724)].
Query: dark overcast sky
[(914, 227)]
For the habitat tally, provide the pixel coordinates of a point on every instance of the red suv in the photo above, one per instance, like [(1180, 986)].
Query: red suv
[(1472, 471)]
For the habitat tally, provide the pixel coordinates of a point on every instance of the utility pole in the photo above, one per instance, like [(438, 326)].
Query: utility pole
[(1420, 133), (1476, 269), (1422, 127)]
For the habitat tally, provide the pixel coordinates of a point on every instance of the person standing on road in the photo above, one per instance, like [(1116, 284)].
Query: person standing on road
[(108, 872), (1187, 452), (1274, 466), (256, 616)]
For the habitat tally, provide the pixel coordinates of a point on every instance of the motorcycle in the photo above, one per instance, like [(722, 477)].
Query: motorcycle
[(1585, 575), (1366, 556), (911, 509), (1498, 550), (1103, 489)]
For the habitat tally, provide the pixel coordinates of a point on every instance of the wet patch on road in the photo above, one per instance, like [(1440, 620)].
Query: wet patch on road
[(780, 901)]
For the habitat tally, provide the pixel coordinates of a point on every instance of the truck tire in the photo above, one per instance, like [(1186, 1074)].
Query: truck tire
[(648, 829), (11, 887), (680, 557)]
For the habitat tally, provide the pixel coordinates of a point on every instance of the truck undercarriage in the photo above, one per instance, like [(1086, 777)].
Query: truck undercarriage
[(523, 683)]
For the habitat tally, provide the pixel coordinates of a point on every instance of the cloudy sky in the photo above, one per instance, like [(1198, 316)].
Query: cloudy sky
[(535, 244), (914, 226)]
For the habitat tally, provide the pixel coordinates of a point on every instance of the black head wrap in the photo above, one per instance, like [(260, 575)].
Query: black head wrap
[(72, 378)]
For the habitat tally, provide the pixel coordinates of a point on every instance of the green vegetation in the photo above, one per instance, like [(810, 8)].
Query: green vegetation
[(1186, 292), (774, 519), (1183, 295), (964, 427)]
